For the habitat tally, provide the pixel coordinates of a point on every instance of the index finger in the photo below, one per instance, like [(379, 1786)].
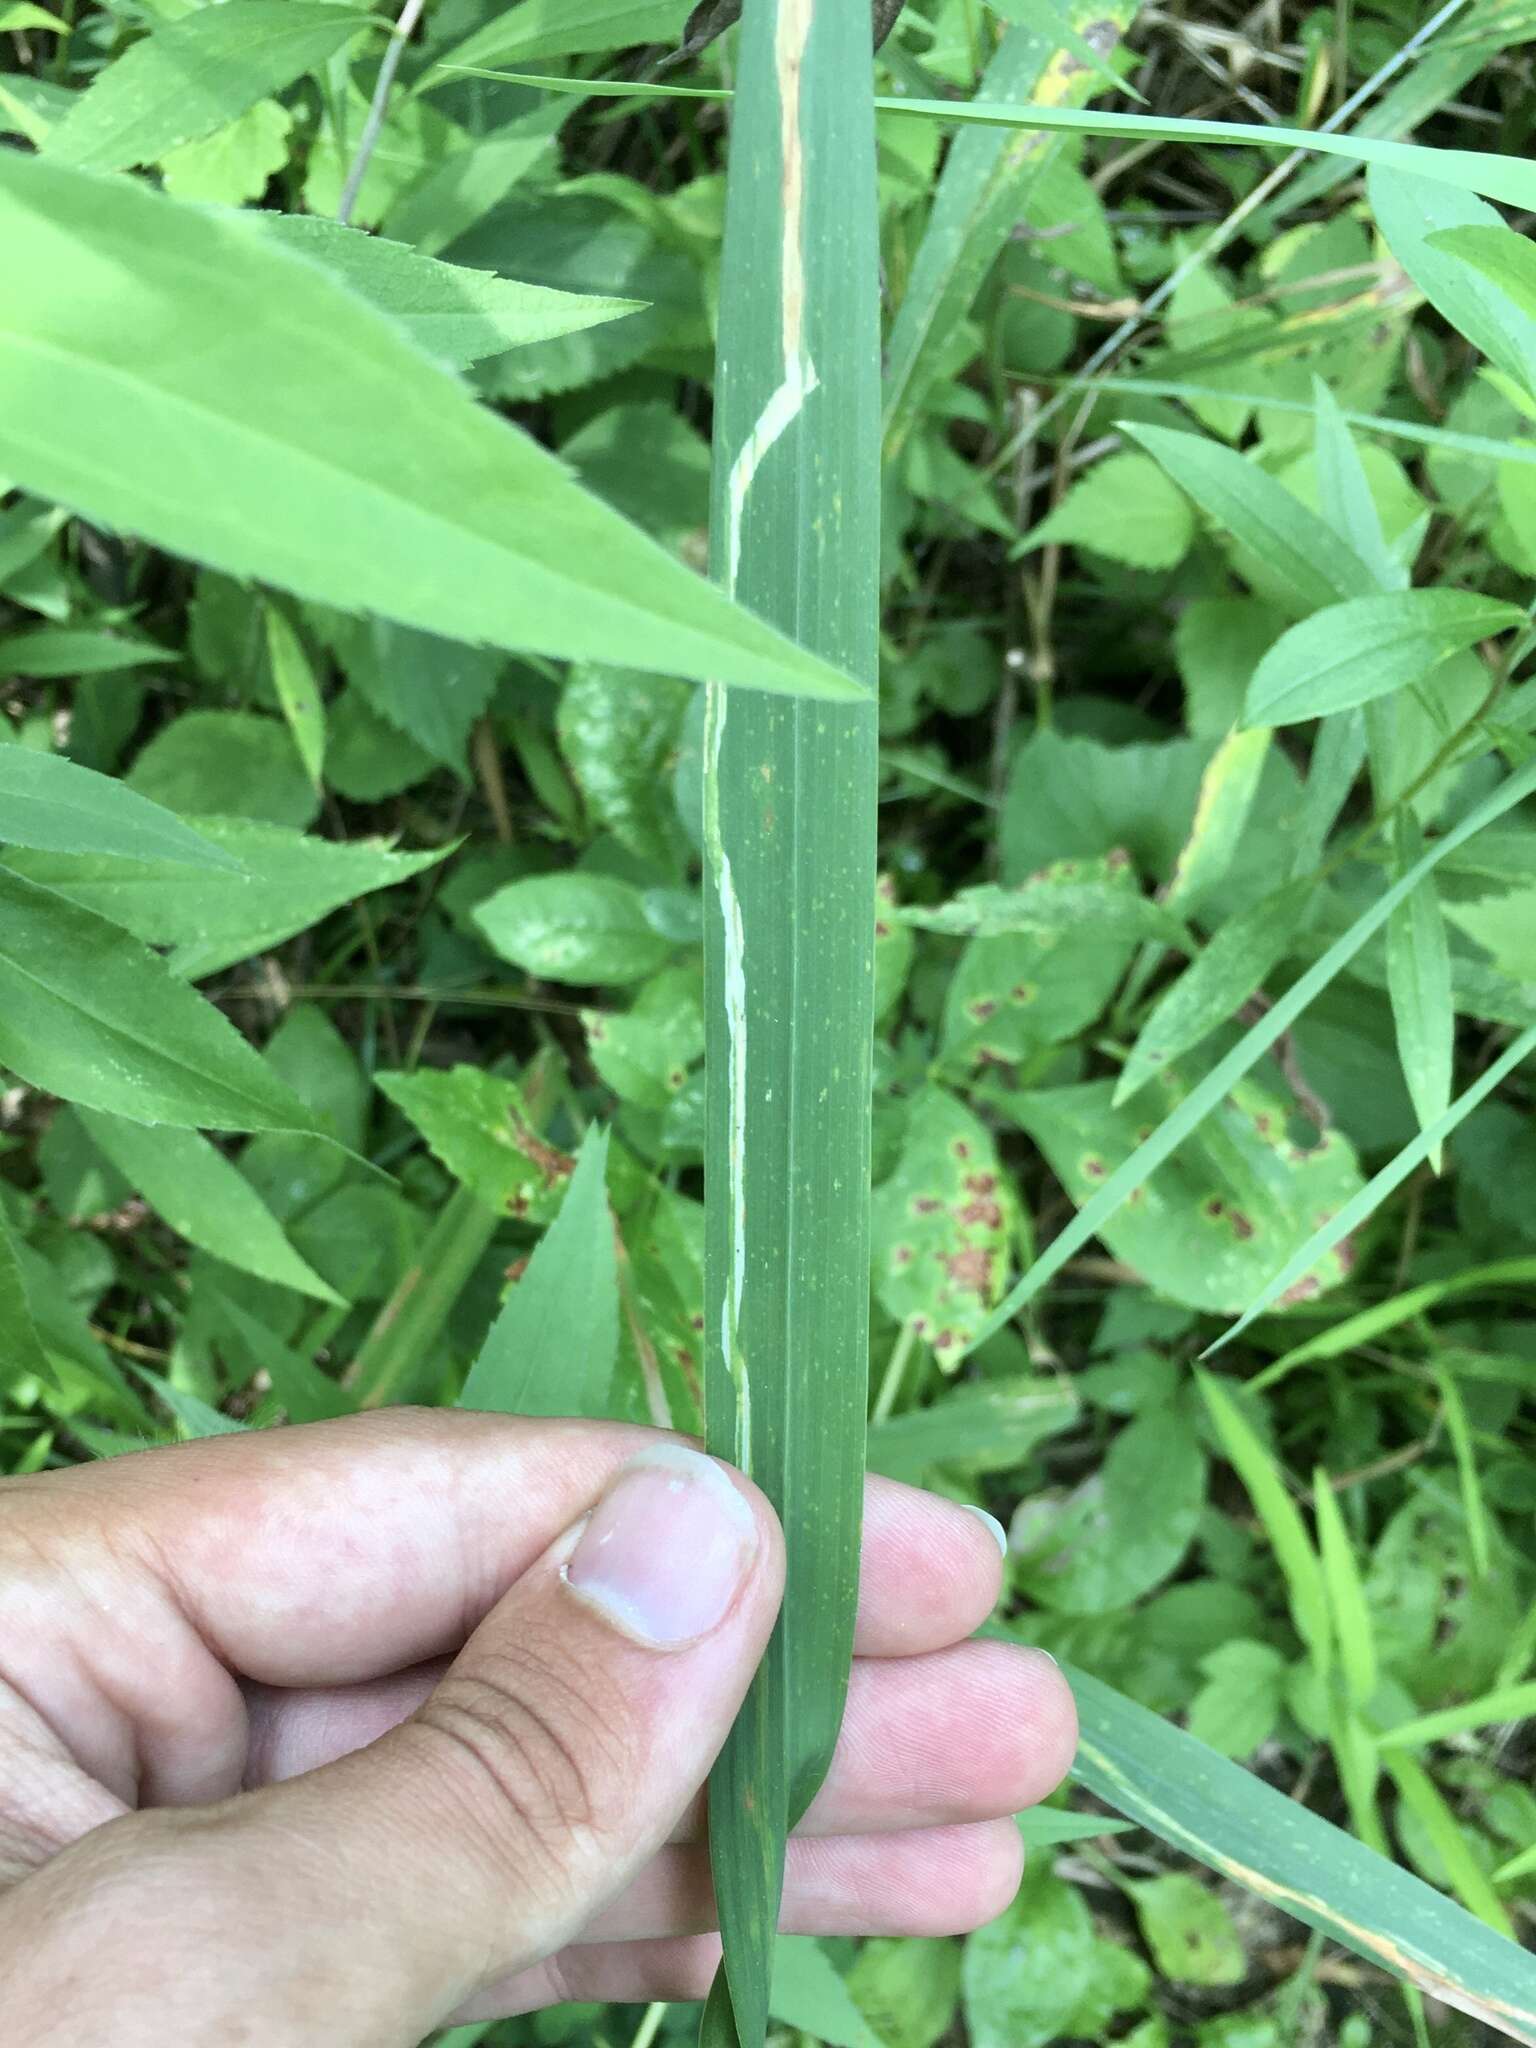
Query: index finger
[(329, 1552)]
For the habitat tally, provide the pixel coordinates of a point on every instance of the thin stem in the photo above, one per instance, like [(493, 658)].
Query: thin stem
[(895, 1371), (389, 64), (649, 2027)]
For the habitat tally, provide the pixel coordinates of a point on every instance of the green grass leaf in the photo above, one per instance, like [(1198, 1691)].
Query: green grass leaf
[(192, 76), (551, 1351), (1353, 653), (52, 804), (1467, 1878), (1506, 1703), (1419, 984), (789, 856), (1257, 1837), (89, 1013), (333, 458), (298, 692), (1351, 1612)]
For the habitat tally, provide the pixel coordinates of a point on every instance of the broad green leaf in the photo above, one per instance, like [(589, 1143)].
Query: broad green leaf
[(1189, 1931), (235, 163), (1162, 1143), (88, 1013), (1255, 1836), (1242, 1699), (20, 14), (809, 1994), (305, 1392), (1507, 1703), (48, 651), (21, 1347), (1126, 508), (479, 1126), (1352, 1627), (286, 882), (574, 927), (1363, 1204), (1352, 653), (298, 692), (1124, 1529), (1217, 982), (1508, 262), (618, 733), (235, 764), (452, 312), (333, 458), (204, 1198), (908, 1991), (551, 1351), (427, 687), (1205, 1227), (56, 806), (195, 1418), (1419, 983), (1023, 1976), (991, 1427), (1283, 1525), (1412, 213), (195, 75), (1467, 1878), (1050, 905), (789, 895), (981, 195), (1300, 549), (941, 1226)]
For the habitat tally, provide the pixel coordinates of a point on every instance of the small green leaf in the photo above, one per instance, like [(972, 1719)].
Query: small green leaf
[(1419, 983), (52, 804), (551, 1351), (1227, 792), (808, 1994), (285, 882), (21, 1347), (1126, 508), (70, 651), (204, 1198), (1216, 983), (1023, 1976), (195, 75), (297, 691), (1345, 492), (88, 1013), (1297, 547), (990, 1427), (1189, 1931), (479, 1127), (1412, 214), (1351, 653), (454, 313), (1050, 905), (573, 927)]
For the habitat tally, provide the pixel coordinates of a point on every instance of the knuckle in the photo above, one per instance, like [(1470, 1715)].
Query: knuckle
[(530, 1757)]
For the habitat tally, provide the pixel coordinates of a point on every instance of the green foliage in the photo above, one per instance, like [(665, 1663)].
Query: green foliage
[(364, 1033)]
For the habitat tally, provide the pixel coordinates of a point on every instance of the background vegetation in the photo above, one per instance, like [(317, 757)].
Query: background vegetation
[(1209, 524)]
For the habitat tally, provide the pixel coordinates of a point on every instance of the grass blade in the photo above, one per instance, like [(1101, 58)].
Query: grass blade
[(1251, 1047), (1508, 1703), (1259, 1838), (789, 838)]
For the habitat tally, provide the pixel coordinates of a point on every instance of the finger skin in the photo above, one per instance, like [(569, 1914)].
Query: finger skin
[(134, 1592), (939, 1882), (964, 1734)]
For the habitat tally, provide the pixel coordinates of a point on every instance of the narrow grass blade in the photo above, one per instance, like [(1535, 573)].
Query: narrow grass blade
[(1267, 1842), (979, 199), (1473, 1506), (1419, 985), (1382, 1316), (1282, 1521), (1506, 178), (1346, 1595), (1422, 1798), (24, 1350), (789, 842), (1508, 1703), (1374, 1193), (1251, 1047)]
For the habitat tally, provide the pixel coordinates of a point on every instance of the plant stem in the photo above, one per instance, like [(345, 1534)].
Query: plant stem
[(389, 64), (895, 1372)]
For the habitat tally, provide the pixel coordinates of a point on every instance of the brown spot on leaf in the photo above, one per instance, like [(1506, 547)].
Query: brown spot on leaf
[(924, 1205), (1116, 858), (882, 929), (1022, 992), (1243, 1226), (981, 1183), (961, 1148), (981, 1008), (970, 1270), (1308, 1288), (984, 1210), (1093, 1167)]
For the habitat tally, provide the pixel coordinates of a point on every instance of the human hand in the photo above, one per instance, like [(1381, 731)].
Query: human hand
[(245, 1795)]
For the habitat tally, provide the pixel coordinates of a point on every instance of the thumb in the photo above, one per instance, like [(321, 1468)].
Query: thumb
[(365, 1901)]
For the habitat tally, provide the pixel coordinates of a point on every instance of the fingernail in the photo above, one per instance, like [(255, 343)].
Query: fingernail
[(667, 1548), (998, 1531)]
